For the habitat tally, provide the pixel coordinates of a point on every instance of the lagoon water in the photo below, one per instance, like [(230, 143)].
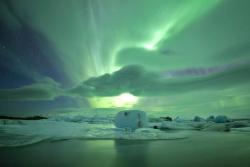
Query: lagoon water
[(200, 149)]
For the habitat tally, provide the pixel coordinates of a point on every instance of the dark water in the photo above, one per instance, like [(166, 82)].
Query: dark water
[(201, 149)]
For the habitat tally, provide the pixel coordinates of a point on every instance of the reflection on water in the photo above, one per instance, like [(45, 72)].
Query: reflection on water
[(132, 153), (116, 153), (201, 149)]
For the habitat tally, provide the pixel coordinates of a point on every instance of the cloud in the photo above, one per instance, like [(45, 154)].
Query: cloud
[(151, 59), (203, 71), (46, 89), (138, 81), (128, 79)]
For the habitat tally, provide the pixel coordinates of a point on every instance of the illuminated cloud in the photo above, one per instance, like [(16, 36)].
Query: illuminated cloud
[(46, 89)]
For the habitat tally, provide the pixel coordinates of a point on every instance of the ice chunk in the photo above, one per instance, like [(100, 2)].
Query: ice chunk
[(176, 125), (179, 119), (217, 127), (221, 119), (211, 118), (131, 119), (198, 119), (239, 124)]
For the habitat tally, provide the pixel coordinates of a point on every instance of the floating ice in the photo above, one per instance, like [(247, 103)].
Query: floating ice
[(198, 119), (23, 132), (131, 119), (31, 132), (221, 119), (210, 118)]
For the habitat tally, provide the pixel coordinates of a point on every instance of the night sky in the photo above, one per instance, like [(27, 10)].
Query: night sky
[(185, 57)]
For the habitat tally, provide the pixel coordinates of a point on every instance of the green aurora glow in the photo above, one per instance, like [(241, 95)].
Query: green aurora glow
[(192, 53)]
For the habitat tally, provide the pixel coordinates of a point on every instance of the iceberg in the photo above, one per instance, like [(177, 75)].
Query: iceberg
[(131, 119)]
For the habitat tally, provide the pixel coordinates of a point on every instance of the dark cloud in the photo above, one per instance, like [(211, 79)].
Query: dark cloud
[(155, 60), (203, 71), (133, 79), (167, 52), (138, 81)]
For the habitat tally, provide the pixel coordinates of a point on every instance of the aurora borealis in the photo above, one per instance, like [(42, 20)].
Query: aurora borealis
[(186, 57)]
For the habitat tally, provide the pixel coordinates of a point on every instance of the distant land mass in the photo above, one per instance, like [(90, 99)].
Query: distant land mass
[(23, 118)]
